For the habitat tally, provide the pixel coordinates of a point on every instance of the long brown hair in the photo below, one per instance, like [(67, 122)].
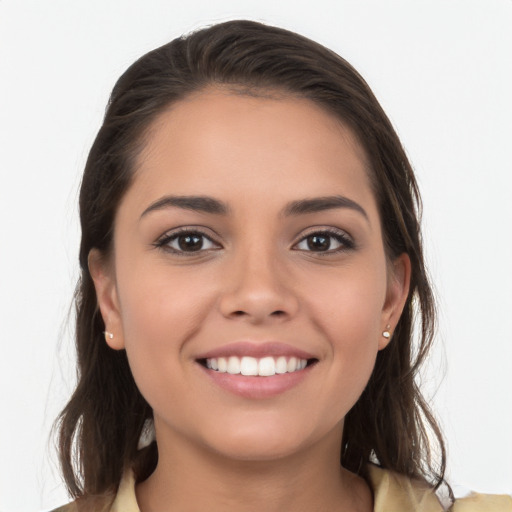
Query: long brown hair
[(391, 423)]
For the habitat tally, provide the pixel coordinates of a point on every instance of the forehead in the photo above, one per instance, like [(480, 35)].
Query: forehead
[(218, 141)]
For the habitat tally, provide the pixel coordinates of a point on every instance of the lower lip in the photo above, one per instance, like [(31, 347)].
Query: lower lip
[(257, 387)]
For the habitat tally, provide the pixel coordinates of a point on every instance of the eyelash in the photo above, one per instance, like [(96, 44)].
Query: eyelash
[(345, 241), (165, 240)]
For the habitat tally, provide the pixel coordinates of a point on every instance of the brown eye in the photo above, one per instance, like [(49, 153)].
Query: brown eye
[(186, 242), (325, 242), (190, 242), (318, 242)]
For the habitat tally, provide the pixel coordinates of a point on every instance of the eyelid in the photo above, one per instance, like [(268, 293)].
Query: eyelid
[(163, 240), (345, 239)]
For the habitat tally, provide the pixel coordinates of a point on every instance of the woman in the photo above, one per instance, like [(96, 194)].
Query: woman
[(251, 267)]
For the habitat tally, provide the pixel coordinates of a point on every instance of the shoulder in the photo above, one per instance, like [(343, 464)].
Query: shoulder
[(92, 504), (70, 507), (399, 493), (393, 491), (122, 501), (480, 502)]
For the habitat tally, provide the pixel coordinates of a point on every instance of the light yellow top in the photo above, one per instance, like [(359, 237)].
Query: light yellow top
[(397, 493), (392, 493)]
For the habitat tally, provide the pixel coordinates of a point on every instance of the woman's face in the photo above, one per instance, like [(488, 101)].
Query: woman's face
[(249, 241)]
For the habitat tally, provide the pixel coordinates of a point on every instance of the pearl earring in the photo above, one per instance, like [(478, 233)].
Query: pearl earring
[(386, 333), (147, 435), (108, 335)]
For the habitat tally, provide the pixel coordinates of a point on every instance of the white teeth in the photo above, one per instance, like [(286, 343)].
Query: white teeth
[(233, 365), (267, 367), (292, 364), (249, 366), (281, 366), (222, 363), (264, 367)]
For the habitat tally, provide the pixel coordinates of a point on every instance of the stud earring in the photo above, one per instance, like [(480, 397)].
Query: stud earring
[(386, 333), (108, 335)]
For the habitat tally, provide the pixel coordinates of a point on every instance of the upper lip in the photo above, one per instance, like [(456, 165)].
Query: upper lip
[(256, 350)]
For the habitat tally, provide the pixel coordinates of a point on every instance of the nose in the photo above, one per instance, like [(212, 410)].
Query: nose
[(257, 289)]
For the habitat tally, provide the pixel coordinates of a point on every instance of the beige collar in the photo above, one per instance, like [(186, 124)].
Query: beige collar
[(398, 493), (391, 491)]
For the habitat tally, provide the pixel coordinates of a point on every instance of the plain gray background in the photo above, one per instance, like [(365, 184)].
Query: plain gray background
[(442, 71)]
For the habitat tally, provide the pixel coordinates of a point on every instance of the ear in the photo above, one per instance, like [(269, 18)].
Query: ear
[(103, 276), (399, 280)]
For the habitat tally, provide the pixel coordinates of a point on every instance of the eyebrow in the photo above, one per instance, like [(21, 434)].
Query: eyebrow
[(206, 204), (202, 204), (318, 204)]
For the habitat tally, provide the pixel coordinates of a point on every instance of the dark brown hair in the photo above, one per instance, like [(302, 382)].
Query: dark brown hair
[(391, 423)]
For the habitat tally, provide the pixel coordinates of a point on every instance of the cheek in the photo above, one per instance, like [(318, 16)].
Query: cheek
[(160, 313), (348, 314), (349, 304), (157, 301)]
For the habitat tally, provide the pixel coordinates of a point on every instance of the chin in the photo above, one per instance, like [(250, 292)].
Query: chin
[(261, 450)]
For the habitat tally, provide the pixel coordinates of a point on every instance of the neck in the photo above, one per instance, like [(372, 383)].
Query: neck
[(191, 478)]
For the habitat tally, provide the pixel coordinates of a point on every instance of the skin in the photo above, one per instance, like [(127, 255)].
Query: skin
[(257, 278)]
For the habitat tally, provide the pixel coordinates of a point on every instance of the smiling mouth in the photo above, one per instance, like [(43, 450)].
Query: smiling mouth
[(260, 367)]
